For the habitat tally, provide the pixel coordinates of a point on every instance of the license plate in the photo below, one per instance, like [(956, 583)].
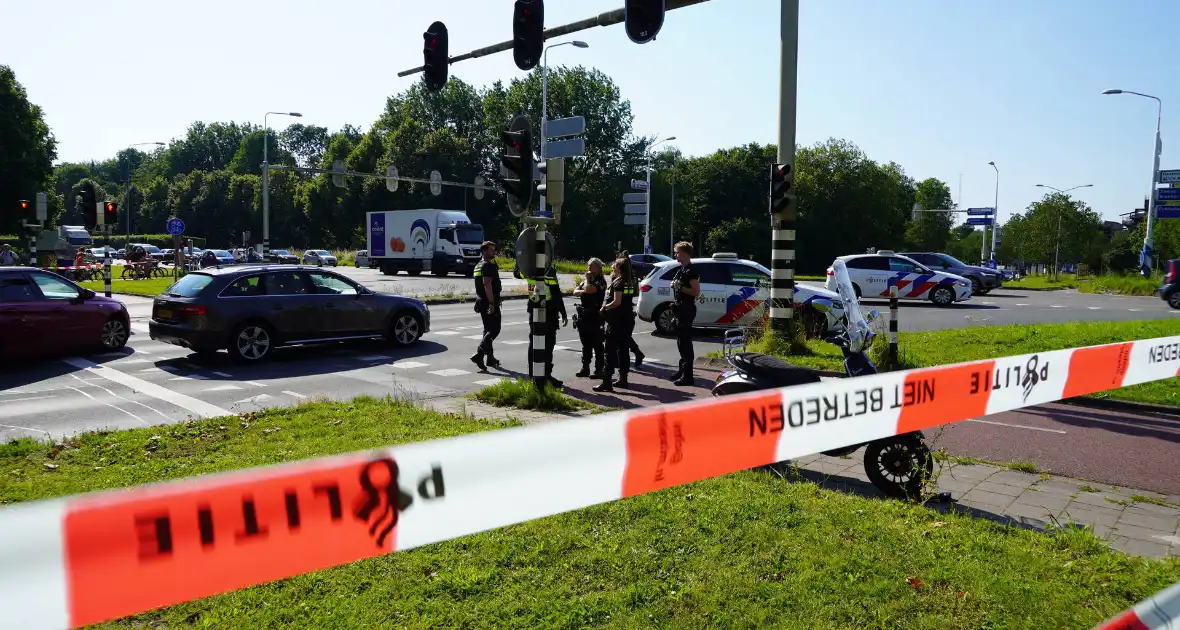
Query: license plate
[(164, 313), (663, 290)]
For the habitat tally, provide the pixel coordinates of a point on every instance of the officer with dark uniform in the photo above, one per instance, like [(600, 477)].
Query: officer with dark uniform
[(588, 320), (686, 287), (619, 313), (487, 304), (554, 305)]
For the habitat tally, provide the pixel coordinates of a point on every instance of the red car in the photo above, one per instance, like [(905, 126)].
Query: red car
[(42, 314)]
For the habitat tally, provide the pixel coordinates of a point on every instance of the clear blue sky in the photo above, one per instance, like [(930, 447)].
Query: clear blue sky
[(939, 86)]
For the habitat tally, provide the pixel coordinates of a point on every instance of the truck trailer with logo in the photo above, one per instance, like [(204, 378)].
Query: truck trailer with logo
[(436, 241)]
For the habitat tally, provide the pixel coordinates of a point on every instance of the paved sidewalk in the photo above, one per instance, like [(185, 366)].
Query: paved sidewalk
[(1133, 521)]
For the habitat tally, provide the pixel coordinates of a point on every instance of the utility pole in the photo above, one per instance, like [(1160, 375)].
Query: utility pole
[(783, 224)]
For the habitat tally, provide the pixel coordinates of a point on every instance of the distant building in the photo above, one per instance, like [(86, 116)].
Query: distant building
[(1110, 228)]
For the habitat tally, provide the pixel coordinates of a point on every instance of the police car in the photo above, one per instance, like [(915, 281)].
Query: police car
[(733, 294), (873, 274)]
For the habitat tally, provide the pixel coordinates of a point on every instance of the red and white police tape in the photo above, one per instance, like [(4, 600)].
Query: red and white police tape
[(1158, 612), (80, 560)]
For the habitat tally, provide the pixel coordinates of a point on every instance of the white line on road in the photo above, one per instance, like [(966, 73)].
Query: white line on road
[(514, 342), (12, 400), (13, 426), (444, 333), (449, 372), (132, 361), (1094, 308), (1175, 540), (473, 337), (561, 347), (1056, 306), (255, 383), (254, 399), (151, 369), (409, 365), (114, 395), (223, 375), (295, 394), (1134, 310), (491, 381), (116, 407), (188, 403), (1017, 426), (190, 377), (140, 327), (222, 388), (1022, 304)]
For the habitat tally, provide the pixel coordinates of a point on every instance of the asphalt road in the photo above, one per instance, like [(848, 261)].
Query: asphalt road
[(150, 383)]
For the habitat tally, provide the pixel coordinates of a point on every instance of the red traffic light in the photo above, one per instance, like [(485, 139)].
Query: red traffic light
[(110, 207), (24, 205)]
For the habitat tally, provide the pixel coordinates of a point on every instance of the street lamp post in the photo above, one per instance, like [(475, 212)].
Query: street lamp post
[(127, 190), (995, 219), (545, 94), (1146, 255), (266, 180), (1057, 247), (672, 220), (647, 223)]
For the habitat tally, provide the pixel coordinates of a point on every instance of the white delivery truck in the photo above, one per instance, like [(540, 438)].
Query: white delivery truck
[(438, 241)]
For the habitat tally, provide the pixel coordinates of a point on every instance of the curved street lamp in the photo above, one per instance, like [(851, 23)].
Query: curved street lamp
[(1147, 253)]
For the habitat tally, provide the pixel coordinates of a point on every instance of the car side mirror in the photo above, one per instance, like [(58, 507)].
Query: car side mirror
[(822, 305)]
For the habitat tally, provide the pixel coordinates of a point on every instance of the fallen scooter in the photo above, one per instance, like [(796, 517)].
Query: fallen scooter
[(897, 465)]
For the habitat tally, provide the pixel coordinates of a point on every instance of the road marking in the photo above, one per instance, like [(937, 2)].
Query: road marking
[(116, 407), (255, 383), (222, 388), (473, 337), (515, 342), (1094, 308), (409, 365), (140, 327), (114, 395), (12, 400), (374, 357), (133, 361), (561, 347), (445, 332), (1056, 306), (652, 360), (138, 351), (295, 394), (254, 399), (491, 381), (1175, 540), (449, 372), (1022, 304), (1018, 426), (151, 369), (987, 303), (1134, 310), (190, 377), (13, 426), (188, 403)]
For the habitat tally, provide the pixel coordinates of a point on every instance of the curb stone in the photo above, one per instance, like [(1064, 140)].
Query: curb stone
[(1122, 405)]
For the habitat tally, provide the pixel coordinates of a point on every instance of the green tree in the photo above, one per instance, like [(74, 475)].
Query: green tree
[(932, 230), (27, 151)]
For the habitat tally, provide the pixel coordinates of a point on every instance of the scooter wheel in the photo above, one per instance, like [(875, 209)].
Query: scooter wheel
[(898, 466)]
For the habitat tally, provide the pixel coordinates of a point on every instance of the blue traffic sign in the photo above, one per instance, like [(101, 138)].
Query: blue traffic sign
[(979, 220), (1167, 212), (980, 211), (1167, 194), (175, 226)]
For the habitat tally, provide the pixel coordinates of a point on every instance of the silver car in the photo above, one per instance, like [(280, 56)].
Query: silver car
[(319, 257)]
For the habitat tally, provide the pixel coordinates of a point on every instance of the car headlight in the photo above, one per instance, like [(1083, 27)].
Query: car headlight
[(962, 283)]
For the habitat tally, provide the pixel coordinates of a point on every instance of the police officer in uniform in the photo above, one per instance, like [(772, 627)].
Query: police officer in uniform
[(487, 304), (588, 320), (619, 313), (686, 287)]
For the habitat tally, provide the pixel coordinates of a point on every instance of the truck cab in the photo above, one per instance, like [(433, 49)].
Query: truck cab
[(457, 245), (70, 238)]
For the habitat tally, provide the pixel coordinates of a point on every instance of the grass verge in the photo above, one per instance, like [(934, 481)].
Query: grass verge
[(1121, 285), (522, 393), (150, 287), (941, 347), (730, 552), (1065, 281)]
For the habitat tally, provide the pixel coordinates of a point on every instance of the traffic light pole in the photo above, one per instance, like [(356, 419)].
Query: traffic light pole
[(783, 224), (540, 352), (106, 262)]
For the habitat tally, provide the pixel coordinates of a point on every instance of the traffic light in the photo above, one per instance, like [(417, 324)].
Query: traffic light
[(517, 165), (528, 28), (643, 19), (552, 184), (781, 180), (435, 58), (24, 207), (88, 208), (110, 213)]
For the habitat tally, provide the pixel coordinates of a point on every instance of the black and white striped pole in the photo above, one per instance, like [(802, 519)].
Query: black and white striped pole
[(893, 324), (784, 211), (539, 355)]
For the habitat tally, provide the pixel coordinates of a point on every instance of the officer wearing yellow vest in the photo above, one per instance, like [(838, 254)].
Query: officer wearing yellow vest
[(554, 305)]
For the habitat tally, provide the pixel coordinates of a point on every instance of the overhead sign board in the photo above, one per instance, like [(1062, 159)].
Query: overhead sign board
[(1167, 194), (42, 206), (634, 219), (1167, 212), (979, 221), (562, 127), (1170, 177), (635, 208), (635, 197), (980, 211), (573, 147), (639, 184)]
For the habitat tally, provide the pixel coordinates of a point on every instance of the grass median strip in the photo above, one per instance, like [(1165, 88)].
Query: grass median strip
[(522, 393), (148, 287), (941, 347), (735, 551)]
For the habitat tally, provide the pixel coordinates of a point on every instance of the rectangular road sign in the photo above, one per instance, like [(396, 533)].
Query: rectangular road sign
[(639, 184), (979, 221), (980, 211), (634, 219), (635, 208), (635, 197), (1167, 194), (1170, 177), (42, 207), (1167, 212), (565, 148), (564, 127)]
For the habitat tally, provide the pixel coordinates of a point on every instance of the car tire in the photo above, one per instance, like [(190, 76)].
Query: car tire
[(942, 296), (413, 272), (982, 292), (439, 273), (114, 334), (251, 342), (665, 319), (1174, 300), (976, 285), (856, 290), (405, 329)]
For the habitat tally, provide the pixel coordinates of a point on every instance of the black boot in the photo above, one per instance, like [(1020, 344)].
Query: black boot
[(621, 381), (477, 359), (639, 356), (605, 385), (685, 379), (494, 362), (585, 371)]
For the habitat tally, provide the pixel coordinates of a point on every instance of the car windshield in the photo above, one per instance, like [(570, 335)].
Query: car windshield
[(151, 249), (190, 285), (470, 234), (280, 252), (322, 252), (221, 253), (951, 260), (661, 257)]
